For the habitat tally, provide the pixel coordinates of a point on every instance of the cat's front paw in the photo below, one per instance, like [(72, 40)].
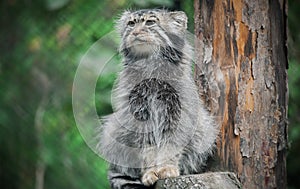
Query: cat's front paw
[(149, 177), (167, 172)]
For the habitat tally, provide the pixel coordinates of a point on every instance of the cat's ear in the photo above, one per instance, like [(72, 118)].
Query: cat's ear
[(179, 19)]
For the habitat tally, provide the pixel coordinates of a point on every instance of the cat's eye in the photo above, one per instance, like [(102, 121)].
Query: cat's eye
[(131, 23), (150, 22)]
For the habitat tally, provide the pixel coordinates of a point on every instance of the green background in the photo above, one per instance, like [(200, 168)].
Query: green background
[(41, 45)]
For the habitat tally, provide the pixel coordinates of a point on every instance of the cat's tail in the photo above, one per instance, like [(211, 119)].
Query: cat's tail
[(122, 181)]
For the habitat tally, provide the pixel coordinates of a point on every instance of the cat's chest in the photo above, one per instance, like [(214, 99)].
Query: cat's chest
[(156, 68), (146, 88)]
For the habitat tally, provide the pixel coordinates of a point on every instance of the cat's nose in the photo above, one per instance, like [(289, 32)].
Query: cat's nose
[(136, 33)]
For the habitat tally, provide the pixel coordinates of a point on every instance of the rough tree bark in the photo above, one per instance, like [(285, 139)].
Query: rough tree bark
[(212, 180), (241, 70)]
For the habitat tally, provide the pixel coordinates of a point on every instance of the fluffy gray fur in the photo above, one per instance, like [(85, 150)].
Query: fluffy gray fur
[(159, 127)]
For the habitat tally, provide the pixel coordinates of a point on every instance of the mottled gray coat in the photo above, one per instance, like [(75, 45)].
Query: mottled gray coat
[(159, 127)]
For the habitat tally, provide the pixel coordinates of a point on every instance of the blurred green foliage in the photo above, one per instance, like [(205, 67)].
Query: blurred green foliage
[(293, 163), (42, 43)]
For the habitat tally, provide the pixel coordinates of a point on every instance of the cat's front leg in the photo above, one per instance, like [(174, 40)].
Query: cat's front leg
[(160, 164), (152, 175)]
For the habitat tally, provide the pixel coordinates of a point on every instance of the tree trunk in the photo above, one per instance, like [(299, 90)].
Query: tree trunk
[(241, 71)]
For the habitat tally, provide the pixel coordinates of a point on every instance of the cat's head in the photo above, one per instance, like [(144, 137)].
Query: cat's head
[(145, 32)]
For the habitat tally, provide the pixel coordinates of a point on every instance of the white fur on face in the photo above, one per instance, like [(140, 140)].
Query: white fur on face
[(143, 49)]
